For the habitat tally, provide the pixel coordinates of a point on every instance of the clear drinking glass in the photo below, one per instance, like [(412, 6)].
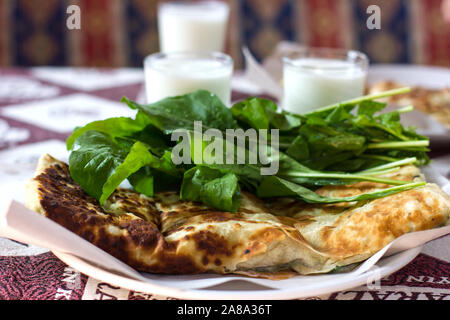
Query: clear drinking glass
[(177, 73), (192, 26), (317, 77)]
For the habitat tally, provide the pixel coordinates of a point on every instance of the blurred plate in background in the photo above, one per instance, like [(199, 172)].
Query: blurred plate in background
[(427, 78)]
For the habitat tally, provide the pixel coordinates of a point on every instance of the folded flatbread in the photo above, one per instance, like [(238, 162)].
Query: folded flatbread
[(275, 239)]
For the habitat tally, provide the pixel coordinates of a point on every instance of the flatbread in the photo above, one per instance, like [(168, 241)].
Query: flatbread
[(275, 239)]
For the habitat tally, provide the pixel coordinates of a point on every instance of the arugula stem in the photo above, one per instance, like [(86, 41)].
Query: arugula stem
[(399, 144), (378, 157), (380, 172), (405, 109), (345, 176), (389, 165), (363, 98)]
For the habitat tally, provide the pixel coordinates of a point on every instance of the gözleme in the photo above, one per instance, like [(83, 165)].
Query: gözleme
[(346, 183)]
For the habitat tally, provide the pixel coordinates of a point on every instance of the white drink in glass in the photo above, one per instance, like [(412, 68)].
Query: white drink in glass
[(178, 73), (194, 26), (314, 78)]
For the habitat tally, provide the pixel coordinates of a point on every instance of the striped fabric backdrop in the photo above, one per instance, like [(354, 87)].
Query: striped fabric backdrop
[(117, 33)]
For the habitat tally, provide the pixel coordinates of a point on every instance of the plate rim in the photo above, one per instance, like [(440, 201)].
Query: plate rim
[(400, 260)]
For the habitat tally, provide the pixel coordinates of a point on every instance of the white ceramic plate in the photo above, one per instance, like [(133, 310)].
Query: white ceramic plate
[(411, 75), (416, 75), (242, 288)]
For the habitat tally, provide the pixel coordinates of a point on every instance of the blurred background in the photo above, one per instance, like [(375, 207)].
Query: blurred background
[(120, 33)]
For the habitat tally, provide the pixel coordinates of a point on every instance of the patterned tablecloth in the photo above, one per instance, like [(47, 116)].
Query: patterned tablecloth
[(38, 109)]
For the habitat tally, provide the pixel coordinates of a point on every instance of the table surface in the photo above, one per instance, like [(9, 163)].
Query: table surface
[(39, 107)]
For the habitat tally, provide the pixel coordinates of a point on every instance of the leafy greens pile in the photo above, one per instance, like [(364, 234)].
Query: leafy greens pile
[(338, 144)]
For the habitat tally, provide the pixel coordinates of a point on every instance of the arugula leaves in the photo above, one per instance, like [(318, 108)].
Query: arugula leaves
[(338, 144), (135, 160), (114, 127), (100, 164), (180, 112), (216, 188), (348, 137), (259, 113), (94, 159)]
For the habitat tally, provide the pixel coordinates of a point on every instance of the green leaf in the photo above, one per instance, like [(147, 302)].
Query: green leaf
[(260, 113), (216, 188), (158, 175), (327, 161), (284, 121), (143, 181), (156, 141), (94, 158), (370, 107), (180, 112), (250, 173), (387, 124), (277, 187), (326, 144), (114, 127), (299, 149), (287, 163), (100, 165), (338, 115), (391, 120), (135, 160), (253, 111)]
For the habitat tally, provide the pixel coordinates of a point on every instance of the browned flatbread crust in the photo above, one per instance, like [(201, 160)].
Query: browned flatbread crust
[(163, 234)]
